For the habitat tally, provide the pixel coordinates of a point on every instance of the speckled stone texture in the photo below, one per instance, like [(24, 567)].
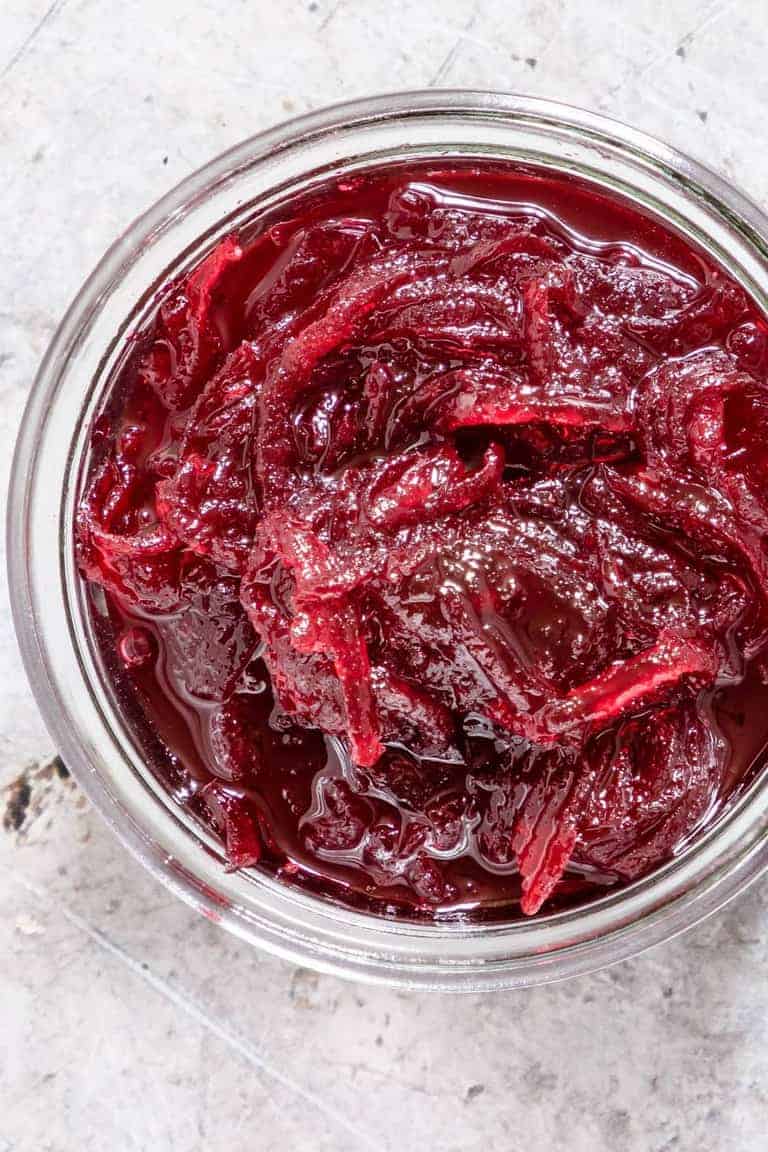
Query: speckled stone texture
[(128, 1023)]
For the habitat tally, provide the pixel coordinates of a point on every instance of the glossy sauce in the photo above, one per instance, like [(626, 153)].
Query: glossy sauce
[(425, 532)]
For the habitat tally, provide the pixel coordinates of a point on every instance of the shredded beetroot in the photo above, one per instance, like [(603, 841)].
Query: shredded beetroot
[(429, 514)]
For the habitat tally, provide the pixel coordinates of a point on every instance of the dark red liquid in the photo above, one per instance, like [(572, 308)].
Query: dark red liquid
[(426, 533)]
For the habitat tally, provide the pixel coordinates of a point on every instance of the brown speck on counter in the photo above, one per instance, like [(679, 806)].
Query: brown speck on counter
[(17, 804), (26, 798)]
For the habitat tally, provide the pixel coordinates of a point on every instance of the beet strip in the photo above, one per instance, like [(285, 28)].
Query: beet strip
[(508, 400), (638, 681)]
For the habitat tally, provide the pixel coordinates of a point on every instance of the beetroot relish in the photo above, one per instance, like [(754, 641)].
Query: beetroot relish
[(429, 518)]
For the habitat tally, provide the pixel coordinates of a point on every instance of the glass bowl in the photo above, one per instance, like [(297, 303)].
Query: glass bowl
[(76, 696)]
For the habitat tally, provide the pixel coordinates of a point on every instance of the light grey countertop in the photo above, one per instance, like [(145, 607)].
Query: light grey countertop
[(127, 1022)]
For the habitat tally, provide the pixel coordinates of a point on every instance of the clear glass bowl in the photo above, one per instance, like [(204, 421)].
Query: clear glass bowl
[(76, 696)]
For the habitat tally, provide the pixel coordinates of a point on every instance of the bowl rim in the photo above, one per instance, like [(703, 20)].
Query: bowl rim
[(350, 943)]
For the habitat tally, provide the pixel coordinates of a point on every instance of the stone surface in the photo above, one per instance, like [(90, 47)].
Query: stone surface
[(127, 1022)]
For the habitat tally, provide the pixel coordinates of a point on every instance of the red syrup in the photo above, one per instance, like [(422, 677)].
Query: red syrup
[(425, 534)]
